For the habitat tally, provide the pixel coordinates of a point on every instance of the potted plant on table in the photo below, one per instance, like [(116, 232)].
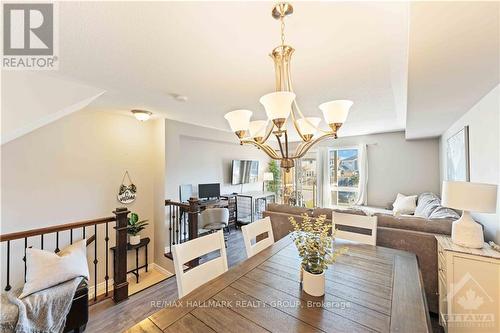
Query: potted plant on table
[(134, 227), (314, 241)]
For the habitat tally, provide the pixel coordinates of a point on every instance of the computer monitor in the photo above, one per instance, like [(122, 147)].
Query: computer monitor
[(207, 191)]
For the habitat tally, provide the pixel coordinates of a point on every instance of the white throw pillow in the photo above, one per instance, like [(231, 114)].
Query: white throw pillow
[(404, 204), (45, 269)]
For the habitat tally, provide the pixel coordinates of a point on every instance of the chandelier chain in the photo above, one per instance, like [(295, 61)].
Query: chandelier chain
[(282, 19)]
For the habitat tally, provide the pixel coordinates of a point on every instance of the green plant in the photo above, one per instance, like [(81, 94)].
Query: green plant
[(274, 185), (134, 225), (315, 243)]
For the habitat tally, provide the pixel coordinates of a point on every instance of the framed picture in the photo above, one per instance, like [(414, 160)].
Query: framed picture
[(457, 156)]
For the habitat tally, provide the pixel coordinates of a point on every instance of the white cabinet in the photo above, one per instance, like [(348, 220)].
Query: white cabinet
[(469, 288)]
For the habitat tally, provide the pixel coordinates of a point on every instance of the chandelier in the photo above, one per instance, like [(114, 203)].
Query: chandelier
[(281, 107)]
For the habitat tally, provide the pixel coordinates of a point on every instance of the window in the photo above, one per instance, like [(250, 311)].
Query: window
[(343, 175)]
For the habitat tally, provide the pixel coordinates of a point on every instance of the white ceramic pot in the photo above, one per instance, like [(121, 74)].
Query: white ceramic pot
[(134, 240), (313, 284)]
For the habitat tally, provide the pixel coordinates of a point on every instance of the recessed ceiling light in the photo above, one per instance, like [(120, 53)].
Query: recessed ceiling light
[(142, 115)]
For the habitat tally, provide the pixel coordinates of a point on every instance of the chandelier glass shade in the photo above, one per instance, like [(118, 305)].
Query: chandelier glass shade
[(281, 107)]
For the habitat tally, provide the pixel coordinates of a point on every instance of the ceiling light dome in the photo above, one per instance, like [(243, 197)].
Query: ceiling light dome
[(142, 115)]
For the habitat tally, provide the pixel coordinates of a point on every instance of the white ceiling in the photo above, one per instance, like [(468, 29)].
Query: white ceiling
[(453, 62), (216, 53)]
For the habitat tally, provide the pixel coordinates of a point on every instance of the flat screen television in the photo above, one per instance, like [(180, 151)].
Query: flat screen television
[(245, 172), (207, 191)]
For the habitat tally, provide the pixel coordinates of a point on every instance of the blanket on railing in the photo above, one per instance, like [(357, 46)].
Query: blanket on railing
[(42, 312)]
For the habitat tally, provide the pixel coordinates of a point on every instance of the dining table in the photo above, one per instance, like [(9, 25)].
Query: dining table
[(368, 289)]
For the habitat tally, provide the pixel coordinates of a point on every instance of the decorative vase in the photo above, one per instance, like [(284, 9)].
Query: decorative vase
[(313, 284), (134, 240)]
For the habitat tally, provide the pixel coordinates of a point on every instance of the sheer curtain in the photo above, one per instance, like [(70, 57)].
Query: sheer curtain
[(363, 175), (323, 172)]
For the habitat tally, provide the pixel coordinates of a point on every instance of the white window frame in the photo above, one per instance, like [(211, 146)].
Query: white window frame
[(336, 188)]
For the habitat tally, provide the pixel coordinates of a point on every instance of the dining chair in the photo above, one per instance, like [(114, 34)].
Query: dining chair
[(182, 253), (252, 230), (214, 219), (355, 228)]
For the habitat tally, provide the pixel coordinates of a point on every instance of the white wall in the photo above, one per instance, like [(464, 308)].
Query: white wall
[(484, 148), (71, 170), (197, 155), (396, 165)]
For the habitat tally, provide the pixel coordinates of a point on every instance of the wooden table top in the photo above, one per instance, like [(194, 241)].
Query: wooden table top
[(370, 289)]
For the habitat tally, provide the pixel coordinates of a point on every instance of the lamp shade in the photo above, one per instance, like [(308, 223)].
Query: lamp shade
[(268, 176), (239, 119), (335, 111), (278, 104), (474, 197), (308, 125), (257, 128)]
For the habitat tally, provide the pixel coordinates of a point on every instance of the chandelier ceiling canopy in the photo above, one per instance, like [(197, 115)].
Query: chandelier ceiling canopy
[(282, 107)]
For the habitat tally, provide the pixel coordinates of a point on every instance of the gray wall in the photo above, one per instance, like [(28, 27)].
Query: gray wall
[(396, 165), (484, 152)]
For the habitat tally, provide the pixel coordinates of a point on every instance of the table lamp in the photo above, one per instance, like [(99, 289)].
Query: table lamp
[(469, 197), (268, 176)]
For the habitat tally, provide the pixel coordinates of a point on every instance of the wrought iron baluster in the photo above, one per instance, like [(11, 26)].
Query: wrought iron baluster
[(71, 236), (106, 278), (172, 240), (83, 232), (8, 287), (41, 241), (57, 242), (176, 226), (95, 262), (184, 223), (179, 223), (24, 258)]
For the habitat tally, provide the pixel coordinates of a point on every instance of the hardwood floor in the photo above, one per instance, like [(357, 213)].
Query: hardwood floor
[(107, 317)]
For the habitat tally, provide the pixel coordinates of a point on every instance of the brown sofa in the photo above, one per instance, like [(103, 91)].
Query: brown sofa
[(408, 233)]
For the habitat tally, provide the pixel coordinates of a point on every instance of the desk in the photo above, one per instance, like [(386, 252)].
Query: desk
[(380, 288)]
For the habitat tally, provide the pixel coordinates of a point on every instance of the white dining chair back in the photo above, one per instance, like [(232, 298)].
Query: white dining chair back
[(252, 230), (354, 223), (182, 253)]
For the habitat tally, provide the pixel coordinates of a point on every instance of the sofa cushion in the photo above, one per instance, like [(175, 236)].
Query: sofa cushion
[(292, 210), (426, 203), (436, 226)]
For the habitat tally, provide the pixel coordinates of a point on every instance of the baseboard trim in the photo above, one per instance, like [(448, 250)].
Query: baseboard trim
[(101, 287)]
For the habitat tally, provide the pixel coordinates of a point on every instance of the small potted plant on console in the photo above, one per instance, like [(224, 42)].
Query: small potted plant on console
[(134, 227)]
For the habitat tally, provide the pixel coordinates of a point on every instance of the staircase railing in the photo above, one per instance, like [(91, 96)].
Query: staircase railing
[(119, 218), (182, 223)]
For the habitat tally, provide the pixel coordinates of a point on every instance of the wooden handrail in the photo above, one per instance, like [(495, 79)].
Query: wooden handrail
[(179, 204), (55, 228)]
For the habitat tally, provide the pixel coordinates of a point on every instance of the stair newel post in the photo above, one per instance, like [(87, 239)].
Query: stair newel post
[(194, 210), (120, 286)]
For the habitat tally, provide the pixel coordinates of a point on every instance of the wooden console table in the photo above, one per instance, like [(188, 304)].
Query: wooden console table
[(143, 243)]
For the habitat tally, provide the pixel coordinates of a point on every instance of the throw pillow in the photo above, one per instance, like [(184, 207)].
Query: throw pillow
[(45, 269), (444, 213), (405, 204), (426, 203)]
